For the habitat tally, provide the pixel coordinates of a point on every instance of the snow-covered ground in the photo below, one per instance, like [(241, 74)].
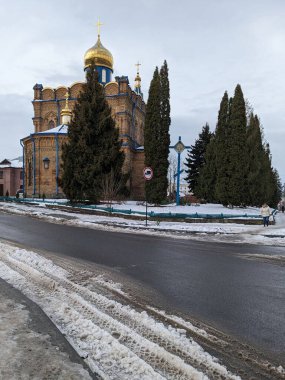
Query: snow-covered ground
[(31, 348), (230, 232), (118, 340)]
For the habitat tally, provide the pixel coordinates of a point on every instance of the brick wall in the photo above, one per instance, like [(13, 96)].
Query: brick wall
[(128, 111)]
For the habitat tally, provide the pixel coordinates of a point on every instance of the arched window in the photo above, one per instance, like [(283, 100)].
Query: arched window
[(103, 76), (51, 124)]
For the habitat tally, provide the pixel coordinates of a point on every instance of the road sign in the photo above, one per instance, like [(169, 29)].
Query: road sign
[(148, 173)]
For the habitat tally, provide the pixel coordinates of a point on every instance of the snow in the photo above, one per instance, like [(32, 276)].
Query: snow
[(15, 163), (189, 209), (30, 354), (116, 340), (61, 129), (232, 232)]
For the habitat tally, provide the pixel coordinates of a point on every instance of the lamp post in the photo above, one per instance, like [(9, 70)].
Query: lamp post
[(179, 147)]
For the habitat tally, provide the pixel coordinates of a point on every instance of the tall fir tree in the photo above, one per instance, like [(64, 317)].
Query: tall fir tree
[(196, 158), (164, 139), (256, 183), (151, 135), (223, 153), (156, 135), (237, 166), (277, 188), (207, 178), (273, 187), (93, 148), (267, 174)]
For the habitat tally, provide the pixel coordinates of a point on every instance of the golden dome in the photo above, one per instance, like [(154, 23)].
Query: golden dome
[(99, 56)]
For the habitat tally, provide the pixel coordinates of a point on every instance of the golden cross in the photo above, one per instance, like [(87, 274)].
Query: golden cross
[(98, 26), (138, 66)]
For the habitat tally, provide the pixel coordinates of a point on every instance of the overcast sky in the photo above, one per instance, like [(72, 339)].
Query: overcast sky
[(210, 46)]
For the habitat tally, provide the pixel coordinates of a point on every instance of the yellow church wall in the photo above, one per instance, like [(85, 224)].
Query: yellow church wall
[(47, 93), (137, 179), (75, 89), (45, 179), (60, 92), (128, 111), (111, 88)]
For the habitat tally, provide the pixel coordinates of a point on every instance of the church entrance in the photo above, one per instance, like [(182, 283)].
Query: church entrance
[(1, 190)]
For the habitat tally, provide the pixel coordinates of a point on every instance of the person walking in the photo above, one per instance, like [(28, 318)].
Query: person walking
[(265, 213)]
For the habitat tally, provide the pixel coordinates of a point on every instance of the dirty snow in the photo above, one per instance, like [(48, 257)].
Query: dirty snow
[(116, 341), (236, 233), (30, 354)]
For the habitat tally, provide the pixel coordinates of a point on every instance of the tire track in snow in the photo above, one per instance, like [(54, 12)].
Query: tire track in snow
[(155, 343)]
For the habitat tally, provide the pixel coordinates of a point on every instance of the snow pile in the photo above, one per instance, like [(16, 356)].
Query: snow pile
[(236, 233), (116, 341)]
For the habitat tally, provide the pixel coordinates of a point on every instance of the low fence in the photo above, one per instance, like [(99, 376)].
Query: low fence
[(151, 214)]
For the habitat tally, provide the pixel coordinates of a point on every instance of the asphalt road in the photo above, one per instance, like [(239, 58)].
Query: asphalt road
[(213, 282)]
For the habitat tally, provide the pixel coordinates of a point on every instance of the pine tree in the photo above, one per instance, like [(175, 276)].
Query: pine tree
[(237, 166), (151, 136), (267, 174), (223, 153), (164, 139), (273, 186), (255, 151), (196, 158), (207, 178), (156, 135), (277, 189), (93, 149)]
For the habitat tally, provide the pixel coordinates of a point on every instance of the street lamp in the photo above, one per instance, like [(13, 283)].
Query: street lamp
[(46, 161), (179, 148)]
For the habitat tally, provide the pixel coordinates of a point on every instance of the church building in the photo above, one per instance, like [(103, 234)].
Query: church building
[(52, 112)]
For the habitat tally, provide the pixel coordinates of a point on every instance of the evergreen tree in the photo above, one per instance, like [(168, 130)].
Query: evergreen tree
[(164, 139), (277, 189), (207, 178), (93, 149), (266, 174), (151, 135), (196, 158), (255, 151), (156, 135), (223, 153), (273, 187), (237, 166)]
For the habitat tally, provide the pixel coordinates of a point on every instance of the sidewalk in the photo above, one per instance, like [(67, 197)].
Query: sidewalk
[(31, 346)]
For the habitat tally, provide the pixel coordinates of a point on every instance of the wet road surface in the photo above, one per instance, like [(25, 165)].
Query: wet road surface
[(213, 282)]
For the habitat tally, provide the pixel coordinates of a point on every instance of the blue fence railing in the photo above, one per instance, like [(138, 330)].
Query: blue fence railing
[(168, 215)]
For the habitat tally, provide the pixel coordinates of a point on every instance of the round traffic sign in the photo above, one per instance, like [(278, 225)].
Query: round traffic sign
[(148, 173)]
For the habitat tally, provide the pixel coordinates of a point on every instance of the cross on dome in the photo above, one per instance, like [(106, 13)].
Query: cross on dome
[(66, 99), (138, 67), (99, 24), (99, 56)]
